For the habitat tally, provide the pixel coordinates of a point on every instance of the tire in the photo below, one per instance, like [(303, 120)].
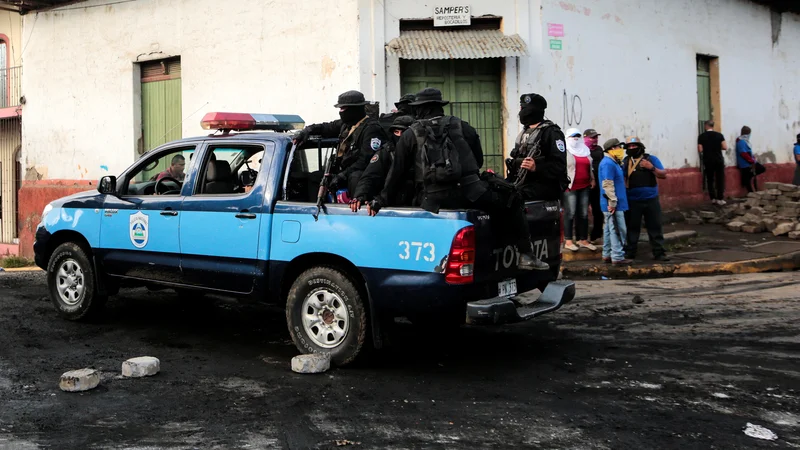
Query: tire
[(319, 331), (69, 265)]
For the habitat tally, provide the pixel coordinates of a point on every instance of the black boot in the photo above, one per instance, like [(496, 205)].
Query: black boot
[(530, 262)]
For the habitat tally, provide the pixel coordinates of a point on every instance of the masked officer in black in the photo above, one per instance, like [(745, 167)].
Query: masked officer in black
[(360, 136), (538, 163), (449, 178), (372, 181), (403, 108)]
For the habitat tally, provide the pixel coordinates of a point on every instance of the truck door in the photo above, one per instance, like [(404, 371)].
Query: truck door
[(221, 219), (139, 227)]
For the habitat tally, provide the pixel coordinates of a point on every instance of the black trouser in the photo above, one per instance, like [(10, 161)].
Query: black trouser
[(650, 210), (512, 219), (597, 214), (715, 180), (748, 179)]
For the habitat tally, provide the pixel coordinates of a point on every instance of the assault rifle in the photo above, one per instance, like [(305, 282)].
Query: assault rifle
[(326, 179), (534, 153)]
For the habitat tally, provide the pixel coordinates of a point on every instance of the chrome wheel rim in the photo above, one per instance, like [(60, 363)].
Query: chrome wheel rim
[(326, 319), (70, 282)]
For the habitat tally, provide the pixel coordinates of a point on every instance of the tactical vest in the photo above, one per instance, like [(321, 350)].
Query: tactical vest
[(640, 177), (529, 141), (347, 142)]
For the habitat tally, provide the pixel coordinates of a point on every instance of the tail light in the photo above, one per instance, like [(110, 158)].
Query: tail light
[(461, 261)]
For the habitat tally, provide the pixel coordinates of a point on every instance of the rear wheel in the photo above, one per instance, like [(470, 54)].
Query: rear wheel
[(326, 314), (72, 284)]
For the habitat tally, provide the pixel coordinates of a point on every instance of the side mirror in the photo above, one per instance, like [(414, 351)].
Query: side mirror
[(108, 185)]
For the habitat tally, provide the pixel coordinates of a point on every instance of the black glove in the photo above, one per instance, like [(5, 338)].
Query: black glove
[(301, 136), (375, 205)]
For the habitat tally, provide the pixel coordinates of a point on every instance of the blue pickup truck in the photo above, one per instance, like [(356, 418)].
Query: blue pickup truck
[(235, 213)]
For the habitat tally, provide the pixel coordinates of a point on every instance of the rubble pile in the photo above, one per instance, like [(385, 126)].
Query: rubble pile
[(776, 210)]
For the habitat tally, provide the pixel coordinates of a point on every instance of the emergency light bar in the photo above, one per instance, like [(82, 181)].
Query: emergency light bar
[(245, 122)]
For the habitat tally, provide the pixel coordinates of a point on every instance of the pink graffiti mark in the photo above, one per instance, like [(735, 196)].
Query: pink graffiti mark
[(606, 16), (568, 6), (619, 20), (587, 11)]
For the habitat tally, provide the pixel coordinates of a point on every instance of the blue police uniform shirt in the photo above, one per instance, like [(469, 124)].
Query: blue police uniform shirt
[(609, 169), (646, 193)]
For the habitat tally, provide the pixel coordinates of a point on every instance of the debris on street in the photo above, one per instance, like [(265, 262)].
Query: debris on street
[(79, 380), (312, 363), (143, 366), (759, 432)]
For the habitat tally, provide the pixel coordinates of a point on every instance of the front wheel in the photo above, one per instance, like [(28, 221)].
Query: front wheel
[(71, 282), (326, 314)]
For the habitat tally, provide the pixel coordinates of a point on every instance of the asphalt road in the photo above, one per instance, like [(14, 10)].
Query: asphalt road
[(689, 367)]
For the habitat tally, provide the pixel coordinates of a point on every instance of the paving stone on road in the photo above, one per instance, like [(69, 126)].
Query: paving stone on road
[(143, 366), (311, 363), (753, 229), (79, 380), (736, 225), (783, 228), (794, 235)]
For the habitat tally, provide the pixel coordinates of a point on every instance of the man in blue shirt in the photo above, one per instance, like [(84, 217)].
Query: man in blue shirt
[(641, 173), (613, 202), (796, 180)]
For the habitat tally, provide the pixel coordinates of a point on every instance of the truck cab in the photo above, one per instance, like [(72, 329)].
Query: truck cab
[(235, 213)]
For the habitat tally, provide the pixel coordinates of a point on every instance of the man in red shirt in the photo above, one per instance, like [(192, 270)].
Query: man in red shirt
[(175, 170)]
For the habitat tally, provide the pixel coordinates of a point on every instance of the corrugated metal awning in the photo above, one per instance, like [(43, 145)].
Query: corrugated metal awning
[(462, 44)]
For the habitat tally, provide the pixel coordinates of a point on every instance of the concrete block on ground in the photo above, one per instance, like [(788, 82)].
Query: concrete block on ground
[(753, 195), (785, 187), (794, 235), (694, 221), (770, 208), (797, 227), (753, 229), (311, 363), (750, 218), (79, 380), (771, 185), (769, 223), (143, 366), (757, 210), (783, 228), (736, 225), (775, 192), (707, 214)]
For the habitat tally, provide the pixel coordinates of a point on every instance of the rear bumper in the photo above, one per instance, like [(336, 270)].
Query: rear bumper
[(500, 310)]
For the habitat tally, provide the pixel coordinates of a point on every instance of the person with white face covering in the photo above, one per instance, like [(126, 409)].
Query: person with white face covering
[(576, 197)]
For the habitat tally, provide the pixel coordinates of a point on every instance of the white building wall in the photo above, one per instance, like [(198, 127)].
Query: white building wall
[(632, 66), (81, 85)]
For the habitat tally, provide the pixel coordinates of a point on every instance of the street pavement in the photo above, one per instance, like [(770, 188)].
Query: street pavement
[(686, 364)]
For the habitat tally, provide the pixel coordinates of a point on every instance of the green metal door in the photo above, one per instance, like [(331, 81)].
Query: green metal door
[(703, 92), (473, 88), (161, 106)]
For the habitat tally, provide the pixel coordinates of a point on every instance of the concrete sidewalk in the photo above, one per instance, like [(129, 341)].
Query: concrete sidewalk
[(694, 250)]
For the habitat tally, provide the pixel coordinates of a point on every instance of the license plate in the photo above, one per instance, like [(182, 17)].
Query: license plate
[(507, 288)]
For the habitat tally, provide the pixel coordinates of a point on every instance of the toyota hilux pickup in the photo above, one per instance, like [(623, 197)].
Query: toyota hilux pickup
[(235, 213)]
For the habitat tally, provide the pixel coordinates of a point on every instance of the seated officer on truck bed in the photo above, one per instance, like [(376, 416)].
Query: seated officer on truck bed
[(360, 136), (445, 174)]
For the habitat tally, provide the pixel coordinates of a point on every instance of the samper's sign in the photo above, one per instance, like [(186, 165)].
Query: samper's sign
[(451, 16)]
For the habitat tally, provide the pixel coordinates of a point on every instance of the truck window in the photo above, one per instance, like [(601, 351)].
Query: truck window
[(169, 165), (230, 169), (305, 173)]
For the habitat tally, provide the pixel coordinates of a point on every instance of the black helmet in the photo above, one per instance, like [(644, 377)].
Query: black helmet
[(351, 98), (429, 95), (401, 123)]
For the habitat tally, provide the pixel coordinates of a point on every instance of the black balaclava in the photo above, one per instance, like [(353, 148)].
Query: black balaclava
[(404, 109), (352, 114), (394, 138), (428, 110), (635, 151), (532, 109)]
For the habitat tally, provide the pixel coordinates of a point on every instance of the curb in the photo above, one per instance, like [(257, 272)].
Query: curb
[(21, 269), (787, 262), (587, 255)]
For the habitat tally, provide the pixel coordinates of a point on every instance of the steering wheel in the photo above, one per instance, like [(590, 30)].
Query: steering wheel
[(162, 189)]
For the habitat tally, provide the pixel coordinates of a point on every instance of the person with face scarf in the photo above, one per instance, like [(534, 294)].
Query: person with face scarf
[(402, 108), (641, 172), (749, 168), (576, 198), (543, 176), (360, 136), (614, 202), (371, 182)]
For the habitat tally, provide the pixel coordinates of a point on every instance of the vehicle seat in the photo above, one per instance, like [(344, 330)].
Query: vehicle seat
[(218, 178)]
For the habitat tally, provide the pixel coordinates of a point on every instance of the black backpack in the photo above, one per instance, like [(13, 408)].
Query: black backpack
[(436, 141)]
